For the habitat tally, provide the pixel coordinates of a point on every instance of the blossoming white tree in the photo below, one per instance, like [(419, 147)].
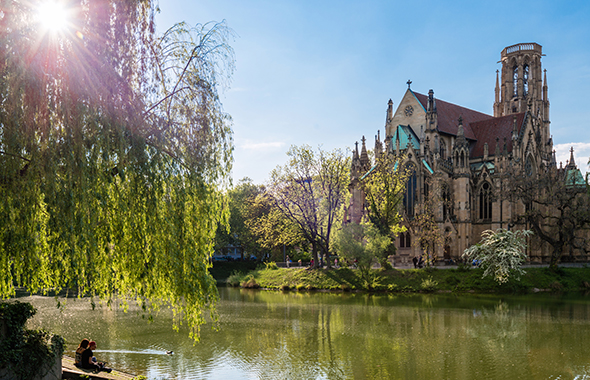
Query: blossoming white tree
[(500, 253)]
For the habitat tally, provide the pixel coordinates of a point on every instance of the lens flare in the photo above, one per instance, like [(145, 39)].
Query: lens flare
[(52, 16)]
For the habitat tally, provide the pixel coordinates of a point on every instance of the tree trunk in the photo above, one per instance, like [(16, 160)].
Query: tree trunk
[(314, 251), (555, 256)]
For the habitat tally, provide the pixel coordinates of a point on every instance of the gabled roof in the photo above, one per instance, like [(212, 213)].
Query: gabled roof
[(403, 133), (448, 116), (486, 131)]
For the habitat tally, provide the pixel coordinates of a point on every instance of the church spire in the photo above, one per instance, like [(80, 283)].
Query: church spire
[(572, 163), (389, 111), (364, 156), (497, 101), (378, 145)]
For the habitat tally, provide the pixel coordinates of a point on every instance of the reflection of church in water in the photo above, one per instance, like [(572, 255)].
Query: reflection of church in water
[(465, 152)]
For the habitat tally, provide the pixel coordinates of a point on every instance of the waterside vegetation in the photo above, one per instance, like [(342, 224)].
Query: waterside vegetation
[(460, 279)]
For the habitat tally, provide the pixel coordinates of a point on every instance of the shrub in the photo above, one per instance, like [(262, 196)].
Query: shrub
[(271, 265), (500, 253), (300, 287), (452, 280), (429, 285), (462, 267), (284, 287), (250, 283), (235, 279), (345, 287), (25, 353), (556, 286), (392, 287)]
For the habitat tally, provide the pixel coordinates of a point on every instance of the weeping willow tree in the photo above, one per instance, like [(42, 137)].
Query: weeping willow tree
[(113, 150)]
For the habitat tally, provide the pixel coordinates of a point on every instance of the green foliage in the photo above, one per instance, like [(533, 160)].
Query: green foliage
[(418, 280), (113, 149), (238, 232), (500, 253), (272, 230), (271, 265), (26, 352), (235, 279), (363, 243), (429, 285), (250, 282), (384, 189)]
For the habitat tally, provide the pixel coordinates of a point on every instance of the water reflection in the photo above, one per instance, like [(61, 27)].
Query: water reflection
[(291, 335)]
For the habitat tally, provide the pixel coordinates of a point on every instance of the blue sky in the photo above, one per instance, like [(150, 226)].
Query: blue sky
[(321, 72)]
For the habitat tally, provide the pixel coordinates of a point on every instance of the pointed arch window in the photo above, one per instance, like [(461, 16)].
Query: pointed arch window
[(443, 149), (515, 80), (446, 202), (485, 202), (525, 79), (405, 240), (410, 195)]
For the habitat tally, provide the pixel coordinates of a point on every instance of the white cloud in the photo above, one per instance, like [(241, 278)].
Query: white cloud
[(581, 154), (250, 145)]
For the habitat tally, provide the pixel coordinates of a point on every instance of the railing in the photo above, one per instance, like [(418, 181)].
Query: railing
[(522, 47), (446, 165)]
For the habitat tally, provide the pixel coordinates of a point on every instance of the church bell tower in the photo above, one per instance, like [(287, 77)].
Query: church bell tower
[(522, 82)]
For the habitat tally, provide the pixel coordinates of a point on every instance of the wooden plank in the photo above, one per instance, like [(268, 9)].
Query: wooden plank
[(70, 371)]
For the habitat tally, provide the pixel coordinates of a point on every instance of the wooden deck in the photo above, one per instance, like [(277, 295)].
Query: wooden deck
[(70, 371)]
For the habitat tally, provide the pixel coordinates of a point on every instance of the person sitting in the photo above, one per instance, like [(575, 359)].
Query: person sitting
[(81, 348), (86, 359)]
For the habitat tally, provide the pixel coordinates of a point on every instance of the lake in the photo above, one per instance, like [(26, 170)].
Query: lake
[(300, 335)]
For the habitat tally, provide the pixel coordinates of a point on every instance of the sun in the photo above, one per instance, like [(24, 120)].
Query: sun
[(52, 16)]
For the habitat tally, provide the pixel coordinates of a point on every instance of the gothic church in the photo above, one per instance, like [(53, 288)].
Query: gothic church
[(466, 152)]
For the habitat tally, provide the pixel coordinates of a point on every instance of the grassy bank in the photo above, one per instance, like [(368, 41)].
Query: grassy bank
[(409, 280)]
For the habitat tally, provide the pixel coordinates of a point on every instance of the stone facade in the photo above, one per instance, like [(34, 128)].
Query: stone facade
[(466, 153)]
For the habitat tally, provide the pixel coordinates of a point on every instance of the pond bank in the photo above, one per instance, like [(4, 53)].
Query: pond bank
[(70, 371), (459, 279)]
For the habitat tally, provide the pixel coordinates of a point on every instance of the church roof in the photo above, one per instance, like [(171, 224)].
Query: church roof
[(574, 178), (403, 133), (486, 131), (448, 116)]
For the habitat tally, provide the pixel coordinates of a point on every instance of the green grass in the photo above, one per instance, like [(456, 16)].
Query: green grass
[(415, 280)]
